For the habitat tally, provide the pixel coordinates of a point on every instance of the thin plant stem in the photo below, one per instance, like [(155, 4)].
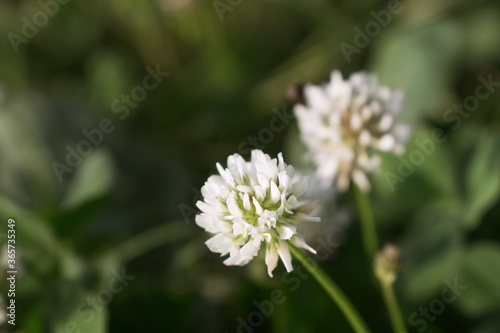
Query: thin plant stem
[(150, 239), (338, 297), (368, 228), (370, 241), (397, 321)]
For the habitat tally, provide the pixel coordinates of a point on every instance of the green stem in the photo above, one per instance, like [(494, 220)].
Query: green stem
[(149, 239), (370, 241), (368, 229), (397, 321), (333, 290)]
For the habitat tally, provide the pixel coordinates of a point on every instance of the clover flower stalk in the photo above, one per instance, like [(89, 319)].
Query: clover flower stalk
[(255, 203), (344, 121), (260, 203), (386, 265)]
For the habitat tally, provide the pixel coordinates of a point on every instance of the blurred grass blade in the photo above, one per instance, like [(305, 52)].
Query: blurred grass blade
[(93, 178), (482, 180), (149, 239)]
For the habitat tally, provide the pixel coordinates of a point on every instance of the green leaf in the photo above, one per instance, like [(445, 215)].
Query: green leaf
[(436, 159), (93, 179), (421, 61), (36, 233), (480, 273), (432, 251), (34, 238), (22, 150), (416, 178), (482, 180)]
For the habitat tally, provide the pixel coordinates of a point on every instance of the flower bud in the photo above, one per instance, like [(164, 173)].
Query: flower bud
[(386, 263)]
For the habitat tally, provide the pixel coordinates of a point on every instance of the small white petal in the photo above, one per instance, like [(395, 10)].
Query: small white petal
[(226, 175), (246, 202), (308, 218), (237, 259), (346, 154), (260, 192), (384, 93), (221, 243), (364, 137), (275, 192), (300, 187), (283, 180), (232, 206), (244, 188), (281, 163), (385, 122), (399, 150), (386, 143), (308, 207), (258, 207), (212, 223), (366, 113), (249, 249), (204, 207), (375, 107), (291, 201), (257, 240), (267, 237), (356, 122), (316, 98), (361, 181), (402, 132), (299, 241), (375, 162), (263, 180), (238, 227), (290, 171), (271, 259), (286, 232), (236, 164), (284, 253), (343, 182)]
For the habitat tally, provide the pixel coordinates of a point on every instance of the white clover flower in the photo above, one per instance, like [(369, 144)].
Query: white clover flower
[(254, 203), (343, 121)]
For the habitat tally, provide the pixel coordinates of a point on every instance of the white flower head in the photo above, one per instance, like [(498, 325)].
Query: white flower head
[(343, 121), (254, 203)]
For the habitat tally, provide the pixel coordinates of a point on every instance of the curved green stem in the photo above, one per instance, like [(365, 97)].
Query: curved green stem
[(368, 228), (397, 321), (333, 290), (149, 239)]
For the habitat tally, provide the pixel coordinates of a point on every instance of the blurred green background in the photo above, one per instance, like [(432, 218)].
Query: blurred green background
[(129, 204)]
